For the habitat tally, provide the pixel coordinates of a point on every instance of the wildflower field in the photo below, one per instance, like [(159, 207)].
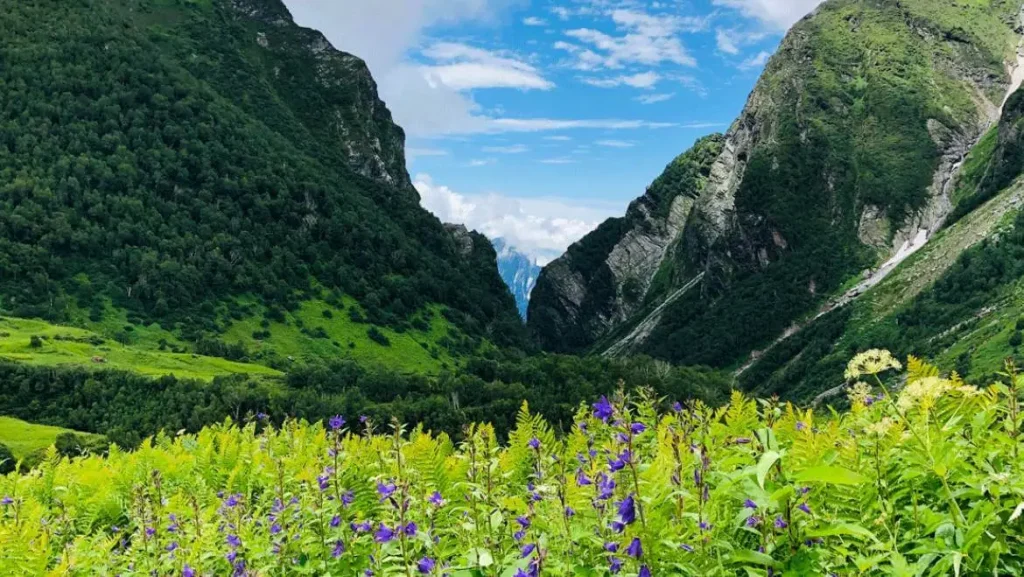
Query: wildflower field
[(919, 478)]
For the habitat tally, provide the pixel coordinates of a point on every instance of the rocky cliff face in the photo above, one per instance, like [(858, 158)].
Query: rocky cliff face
[(346, 112), (844, 152), (605, 278)]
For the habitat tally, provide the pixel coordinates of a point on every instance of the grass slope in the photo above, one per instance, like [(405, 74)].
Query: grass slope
[(318, 330), (24, 438), (68, 346)]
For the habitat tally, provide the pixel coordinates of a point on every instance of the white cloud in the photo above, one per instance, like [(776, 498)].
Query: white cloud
[(558, 138), (645, 80), (730, 41), (534, 21), (615, 143), (646, 39), (540, 227), (727, 41), (779, 14), (413, 152), (558, 160), (654, 98), (478, 162), (514, 149), (463, 67), (756, 61)]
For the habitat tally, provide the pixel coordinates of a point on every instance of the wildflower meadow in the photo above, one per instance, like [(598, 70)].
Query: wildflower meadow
[(921, 476)]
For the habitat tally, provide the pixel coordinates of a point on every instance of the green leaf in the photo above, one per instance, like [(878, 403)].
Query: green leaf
[(746, 556), (842, 529), (831, 476), (767, 460)]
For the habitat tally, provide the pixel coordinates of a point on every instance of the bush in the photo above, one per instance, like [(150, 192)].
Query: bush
[(378, 337), (35, 342), (69, 445), (1015, 339)]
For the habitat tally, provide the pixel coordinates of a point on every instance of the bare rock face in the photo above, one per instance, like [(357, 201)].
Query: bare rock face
[(603, 280), (349, 110)]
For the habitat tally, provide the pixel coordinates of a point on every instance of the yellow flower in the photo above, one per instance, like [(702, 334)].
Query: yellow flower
[(871, 363)]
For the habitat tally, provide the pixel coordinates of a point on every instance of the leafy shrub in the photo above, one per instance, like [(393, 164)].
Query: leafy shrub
[(35, 342), (378, 337)]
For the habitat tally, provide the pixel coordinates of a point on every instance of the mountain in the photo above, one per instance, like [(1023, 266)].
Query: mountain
[(519, 272), (844, 158), (957, 299), (210, 172)]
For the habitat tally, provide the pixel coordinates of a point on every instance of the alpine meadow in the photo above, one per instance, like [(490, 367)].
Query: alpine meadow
[(243, 332)]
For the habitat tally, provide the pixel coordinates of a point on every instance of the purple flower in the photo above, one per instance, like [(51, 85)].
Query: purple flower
[(644, 571), (750, 504), (627, 510), (635, 550), (615, 465), (262, 416), (582, 479), (528, 550), (800, 425), (410, 529), (275, 528), (805, 508), (622, 438), (234, 541), (323, 481), (335, 522), (347, 498), (753, 521), (336, 422), (233, 500), (686, 548), (523, 521), (172, 546), (618, 526), (605, 487), (363, 418), (805, 490), (426, 565), (780, 523), (521, 573), (611, 546), (435, 499), (384, 534), (339, 548), (188, 571), (742, 441), (637, 428), (364, 527), (534, 444), (603, 409), (150, 531), (385, 490), (231, 556), (704, 526), (518, 535), (570, 512), (677, 407), (615, 565)]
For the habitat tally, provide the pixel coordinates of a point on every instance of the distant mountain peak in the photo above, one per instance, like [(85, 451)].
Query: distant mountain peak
[(518, 270)]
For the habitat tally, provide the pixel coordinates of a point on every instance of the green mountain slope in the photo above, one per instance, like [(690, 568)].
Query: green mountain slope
[(959, 299), (193, 164), (845, 152)]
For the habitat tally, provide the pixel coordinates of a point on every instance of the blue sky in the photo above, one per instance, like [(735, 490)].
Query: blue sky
[(536, 119)]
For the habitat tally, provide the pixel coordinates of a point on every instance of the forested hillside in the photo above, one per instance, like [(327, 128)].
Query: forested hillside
[(195, 164)]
